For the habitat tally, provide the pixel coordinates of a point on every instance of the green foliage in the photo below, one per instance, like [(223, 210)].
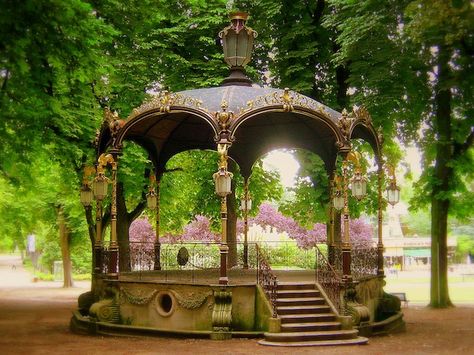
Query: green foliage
[(188, 190), (417, 222), (465, 246), (310, 194)]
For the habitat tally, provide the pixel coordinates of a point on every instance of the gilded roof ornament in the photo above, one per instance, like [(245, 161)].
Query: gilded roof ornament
[(344, 124), (224, 117), (164, 101), (114, 121), (287, 100), (88, 172), (361, 113)]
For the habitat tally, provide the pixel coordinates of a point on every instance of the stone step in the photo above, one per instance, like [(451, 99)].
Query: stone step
[(298, 293), (283, 310), (307, 318), (300, 301), (296, 286), (310, 326), (355, 341), (312, 336)]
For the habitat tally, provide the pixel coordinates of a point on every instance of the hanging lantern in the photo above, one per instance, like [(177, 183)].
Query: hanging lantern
[(223, 182), (151, 199), (393, 193), (100, 186), (245, 204), (86, 195), (237, 40), (338, 200), (359, 185)]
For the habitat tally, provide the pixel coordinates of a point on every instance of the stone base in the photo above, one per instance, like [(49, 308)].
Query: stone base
[(221, 335), (274, 325), (346, 322)]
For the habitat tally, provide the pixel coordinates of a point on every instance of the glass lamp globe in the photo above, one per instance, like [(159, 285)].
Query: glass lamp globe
[(86, 195), (359, 186), (223, 181), (100, 187)]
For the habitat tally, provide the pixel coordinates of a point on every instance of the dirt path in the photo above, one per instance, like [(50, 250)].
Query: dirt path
[(34, 319)]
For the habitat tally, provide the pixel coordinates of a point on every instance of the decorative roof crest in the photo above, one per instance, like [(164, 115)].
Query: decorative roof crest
[(163, 102), (361, 113), (344, 124)]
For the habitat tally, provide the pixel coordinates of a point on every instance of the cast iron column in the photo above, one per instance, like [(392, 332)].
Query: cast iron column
[(98, 238), (113, 251), (380, 219), (157, 265), (346, 245), (224, 249), (246, 223)]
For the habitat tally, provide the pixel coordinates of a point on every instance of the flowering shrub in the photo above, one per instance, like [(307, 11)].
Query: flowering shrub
[(141, 231), (197, 230), (269, 216)]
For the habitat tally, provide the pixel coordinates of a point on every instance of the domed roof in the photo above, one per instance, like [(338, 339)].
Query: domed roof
[(260, 119)]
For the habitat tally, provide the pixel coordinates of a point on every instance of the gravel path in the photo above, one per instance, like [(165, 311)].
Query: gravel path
[(34, 319)]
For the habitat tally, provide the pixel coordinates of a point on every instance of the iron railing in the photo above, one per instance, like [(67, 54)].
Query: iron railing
[(267, 279), (329, 278), (364, 260)]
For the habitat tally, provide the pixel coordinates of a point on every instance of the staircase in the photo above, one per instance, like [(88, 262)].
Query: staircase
[(307, 320)]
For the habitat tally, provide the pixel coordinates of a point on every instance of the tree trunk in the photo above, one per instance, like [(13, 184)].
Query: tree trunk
[(443, 173), (123, 226), (64, 234)]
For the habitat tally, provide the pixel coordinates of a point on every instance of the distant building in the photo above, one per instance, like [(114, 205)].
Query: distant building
[(407, 252)]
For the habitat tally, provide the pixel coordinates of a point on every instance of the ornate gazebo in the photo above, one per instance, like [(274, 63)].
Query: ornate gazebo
[(242, 122)]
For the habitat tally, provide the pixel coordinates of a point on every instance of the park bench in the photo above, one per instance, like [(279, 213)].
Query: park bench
[(402, 296)]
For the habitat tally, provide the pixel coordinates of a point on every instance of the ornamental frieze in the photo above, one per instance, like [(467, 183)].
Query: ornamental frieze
[(138, 299), (188, 300), (163, 102), (191, 300)]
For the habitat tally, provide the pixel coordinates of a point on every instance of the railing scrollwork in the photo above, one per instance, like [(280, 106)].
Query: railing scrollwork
[(267, 279)]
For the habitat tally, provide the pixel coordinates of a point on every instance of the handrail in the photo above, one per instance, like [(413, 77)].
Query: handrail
[(329, 279), (267, 279)]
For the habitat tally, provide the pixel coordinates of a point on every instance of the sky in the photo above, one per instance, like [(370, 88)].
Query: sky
[(284, 162)]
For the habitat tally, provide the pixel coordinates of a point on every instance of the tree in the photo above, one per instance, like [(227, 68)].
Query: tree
[(411, 62)]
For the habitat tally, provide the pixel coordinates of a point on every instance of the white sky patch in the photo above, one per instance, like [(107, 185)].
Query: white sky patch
[(413, 159), (283, 162)]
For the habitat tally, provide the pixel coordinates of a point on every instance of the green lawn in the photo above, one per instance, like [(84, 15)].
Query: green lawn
[(416, 285)]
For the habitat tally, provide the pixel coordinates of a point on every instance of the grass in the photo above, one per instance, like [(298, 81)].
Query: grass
[(416, 285)]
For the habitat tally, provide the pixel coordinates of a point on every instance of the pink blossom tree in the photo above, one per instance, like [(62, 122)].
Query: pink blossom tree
[(141, 236), (197, 230), (360, 231)]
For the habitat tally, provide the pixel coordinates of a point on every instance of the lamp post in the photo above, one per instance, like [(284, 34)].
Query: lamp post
[(100, 189), (246, 206), (237, 40), (223, 183), (359, 190)]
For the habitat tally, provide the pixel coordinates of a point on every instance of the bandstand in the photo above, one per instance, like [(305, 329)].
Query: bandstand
[(338, 301)]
